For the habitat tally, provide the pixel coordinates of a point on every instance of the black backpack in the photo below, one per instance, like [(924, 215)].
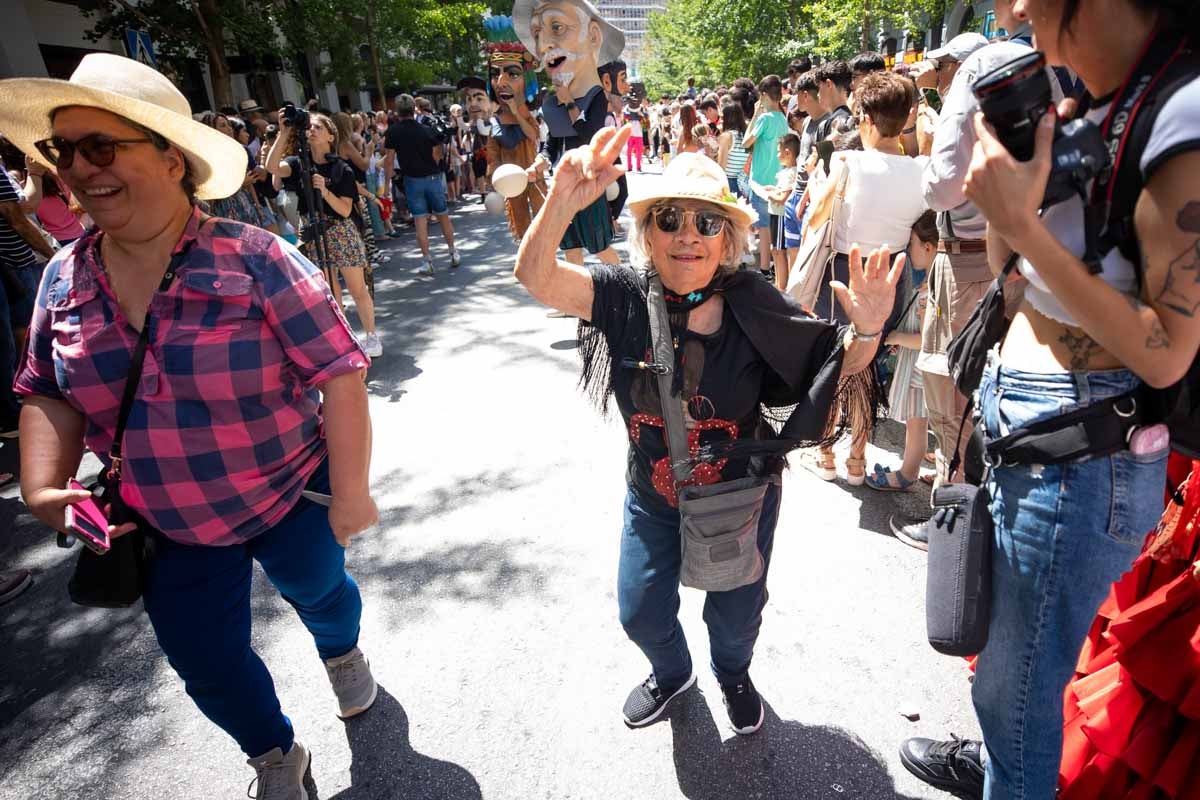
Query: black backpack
[(1178, 405)]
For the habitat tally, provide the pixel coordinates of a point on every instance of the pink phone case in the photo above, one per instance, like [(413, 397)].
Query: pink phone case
[(84, 516)]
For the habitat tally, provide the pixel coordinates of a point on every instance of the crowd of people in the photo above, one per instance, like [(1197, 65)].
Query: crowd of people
[(814, 240)]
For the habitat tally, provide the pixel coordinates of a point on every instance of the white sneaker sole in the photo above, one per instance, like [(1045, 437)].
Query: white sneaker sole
[(687, 685), (356, 710), (753, 728)]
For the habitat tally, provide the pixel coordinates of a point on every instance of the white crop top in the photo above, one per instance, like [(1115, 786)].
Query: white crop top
[(1176, 129)]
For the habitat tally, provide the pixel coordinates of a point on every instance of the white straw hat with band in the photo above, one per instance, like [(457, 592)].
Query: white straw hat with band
[(132, 90), (695, 176)]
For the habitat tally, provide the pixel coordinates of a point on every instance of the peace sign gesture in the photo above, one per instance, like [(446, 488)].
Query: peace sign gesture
[(585, 172)]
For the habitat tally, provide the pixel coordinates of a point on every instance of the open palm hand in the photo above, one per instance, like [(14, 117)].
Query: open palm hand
[(585, 172), (869, 298)]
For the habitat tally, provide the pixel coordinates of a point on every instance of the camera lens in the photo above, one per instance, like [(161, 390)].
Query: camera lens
[(1013, 98)]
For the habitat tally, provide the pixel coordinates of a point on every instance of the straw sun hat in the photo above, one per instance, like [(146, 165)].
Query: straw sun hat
[(695, 176), (134, 91)]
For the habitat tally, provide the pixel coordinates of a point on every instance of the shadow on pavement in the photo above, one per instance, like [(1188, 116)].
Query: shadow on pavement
[(783, 761), (385, 765)]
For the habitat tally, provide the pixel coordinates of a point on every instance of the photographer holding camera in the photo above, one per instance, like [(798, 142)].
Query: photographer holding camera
[(1106, 332), (333, 180)]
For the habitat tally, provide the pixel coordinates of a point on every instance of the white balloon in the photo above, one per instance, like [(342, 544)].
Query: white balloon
[(509, 180), (612, 192), (494, 203)]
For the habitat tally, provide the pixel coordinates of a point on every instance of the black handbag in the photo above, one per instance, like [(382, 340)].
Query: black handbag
[(115, 579), (968, 351), (958, 579)]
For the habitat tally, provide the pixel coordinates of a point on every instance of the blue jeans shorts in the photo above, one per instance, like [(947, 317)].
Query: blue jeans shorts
[(21, 309), (1063, 534), (426, 195), (761, 207)]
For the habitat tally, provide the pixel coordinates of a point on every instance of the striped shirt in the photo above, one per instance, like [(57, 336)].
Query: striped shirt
[(735, 161), (15, 252)]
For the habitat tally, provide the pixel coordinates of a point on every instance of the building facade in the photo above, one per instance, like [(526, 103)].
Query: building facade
[(963, 16), (631, 17)]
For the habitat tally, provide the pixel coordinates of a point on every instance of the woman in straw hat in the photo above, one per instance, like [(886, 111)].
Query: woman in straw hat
[(741, 348), (251, 392)]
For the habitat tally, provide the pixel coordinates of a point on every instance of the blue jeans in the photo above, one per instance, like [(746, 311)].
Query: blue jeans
[(426, 195), (1063, 534), (198, 600), (648, 597)]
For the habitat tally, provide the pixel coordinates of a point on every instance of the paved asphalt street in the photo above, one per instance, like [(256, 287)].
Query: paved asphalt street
[(490, 613)]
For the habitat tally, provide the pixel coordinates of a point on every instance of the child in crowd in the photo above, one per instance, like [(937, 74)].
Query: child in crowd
[(906, 398), (785, 182), (702, 134)]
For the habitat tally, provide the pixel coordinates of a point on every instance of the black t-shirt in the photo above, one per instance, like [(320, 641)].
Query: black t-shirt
[(338, 177), (825, 126), (413, 144), (733, 377)]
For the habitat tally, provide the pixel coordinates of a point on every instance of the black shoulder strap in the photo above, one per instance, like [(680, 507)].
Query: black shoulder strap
[(664, 355), (1129, 180)]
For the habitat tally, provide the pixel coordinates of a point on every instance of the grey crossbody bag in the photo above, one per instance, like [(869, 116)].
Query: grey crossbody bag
[(718, 523)]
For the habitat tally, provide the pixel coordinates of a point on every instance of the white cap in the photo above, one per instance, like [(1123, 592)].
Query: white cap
[(958, 48)]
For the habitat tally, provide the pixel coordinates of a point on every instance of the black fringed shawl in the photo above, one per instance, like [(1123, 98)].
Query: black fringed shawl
[(806, 353)]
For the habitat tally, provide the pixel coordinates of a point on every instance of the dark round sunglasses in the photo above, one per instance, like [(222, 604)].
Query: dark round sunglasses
[(670, 219), (98, 149)]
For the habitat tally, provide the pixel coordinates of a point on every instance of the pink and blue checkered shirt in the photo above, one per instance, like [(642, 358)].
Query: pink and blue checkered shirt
[(226, 428)]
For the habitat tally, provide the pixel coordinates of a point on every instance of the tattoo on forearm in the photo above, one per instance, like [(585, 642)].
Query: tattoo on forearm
[(1181, 288), (1081, 347)]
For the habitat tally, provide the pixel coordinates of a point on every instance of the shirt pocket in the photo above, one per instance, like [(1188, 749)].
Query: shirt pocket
[(215, 300)]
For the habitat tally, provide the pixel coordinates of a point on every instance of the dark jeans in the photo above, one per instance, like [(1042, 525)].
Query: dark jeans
[(615, 207), (648, 597), (198, 600), (9, 409)]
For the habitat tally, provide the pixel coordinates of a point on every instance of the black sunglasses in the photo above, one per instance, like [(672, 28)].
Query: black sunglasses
[(97, 148), (670, 219)]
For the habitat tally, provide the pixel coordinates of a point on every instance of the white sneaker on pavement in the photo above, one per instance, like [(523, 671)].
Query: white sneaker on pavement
[(282, 777), (455, 260), (427, 266), (372, 345)]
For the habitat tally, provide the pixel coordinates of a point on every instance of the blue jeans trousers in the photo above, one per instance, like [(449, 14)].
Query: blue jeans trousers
[(648, 597), (198, 600), (1063, 534)]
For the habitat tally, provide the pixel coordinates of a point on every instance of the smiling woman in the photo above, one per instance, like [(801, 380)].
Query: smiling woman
[(252, 393), (752, 374)]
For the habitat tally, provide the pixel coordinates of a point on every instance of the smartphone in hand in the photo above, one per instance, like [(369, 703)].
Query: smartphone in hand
[(87, 523)]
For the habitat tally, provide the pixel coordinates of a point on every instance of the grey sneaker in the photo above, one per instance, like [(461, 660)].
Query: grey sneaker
[(372, 346), (283, 777), (911, 532), (455, 259), (352, 683)]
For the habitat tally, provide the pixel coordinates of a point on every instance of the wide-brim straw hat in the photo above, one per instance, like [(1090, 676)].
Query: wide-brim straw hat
[(694, 176), (610, 49), (137, 92)]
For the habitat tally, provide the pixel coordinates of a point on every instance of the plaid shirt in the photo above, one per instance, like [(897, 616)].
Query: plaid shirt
[(226, 428)]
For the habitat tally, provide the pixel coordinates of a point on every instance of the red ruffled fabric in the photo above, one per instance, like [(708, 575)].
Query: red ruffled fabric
[(1132, 714)]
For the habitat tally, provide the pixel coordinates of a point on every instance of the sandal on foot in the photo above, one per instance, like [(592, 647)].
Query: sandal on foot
[(821, 465), (882, 480), (856, 478)]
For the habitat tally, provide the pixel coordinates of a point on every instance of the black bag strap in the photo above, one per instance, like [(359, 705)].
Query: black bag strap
[(956, 462), (1096, 430), (133, 380), (663, 345)]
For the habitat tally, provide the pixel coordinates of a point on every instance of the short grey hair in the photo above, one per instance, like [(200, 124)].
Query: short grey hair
[(737, 235)]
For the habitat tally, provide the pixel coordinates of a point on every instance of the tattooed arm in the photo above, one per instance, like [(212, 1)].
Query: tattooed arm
[(1158, 336)]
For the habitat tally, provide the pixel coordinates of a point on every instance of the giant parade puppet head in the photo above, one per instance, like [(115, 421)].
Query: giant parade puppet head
[(569, 38), (475, 97), (511, 67), (615, 78)]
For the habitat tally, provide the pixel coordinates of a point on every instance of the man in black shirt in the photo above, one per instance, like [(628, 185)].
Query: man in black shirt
[(419, 153), (833, 93)]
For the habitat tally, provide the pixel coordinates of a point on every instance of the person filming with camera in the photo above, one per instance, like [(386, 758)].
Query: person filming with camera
[(1088, 373), (333, 181)]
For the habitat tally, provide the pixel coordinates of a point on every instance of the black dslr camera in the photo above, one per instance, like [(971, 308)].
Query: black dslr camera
[(1014, 98), (294, 117)]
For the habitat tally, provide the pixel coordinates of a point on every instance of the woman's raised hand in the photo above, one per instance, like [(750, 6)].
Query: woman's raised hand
[(869, 298), (585, 172)]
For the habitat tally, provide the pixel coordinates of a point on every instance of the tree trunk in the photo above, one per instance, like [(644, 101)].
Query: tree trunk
[(867, 45), (372, 45), (213, 30)]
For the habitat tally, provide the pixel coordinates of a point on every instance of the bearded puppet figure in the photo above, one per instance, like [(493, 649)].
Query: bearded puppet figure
[(569, 38), (512, 85), (478, 110)]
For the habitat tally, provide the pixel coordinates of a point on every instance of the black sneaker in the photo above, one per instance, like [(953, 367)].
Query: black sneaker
[(953, 766), (744, 706), (648, 700), (912, 532)]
